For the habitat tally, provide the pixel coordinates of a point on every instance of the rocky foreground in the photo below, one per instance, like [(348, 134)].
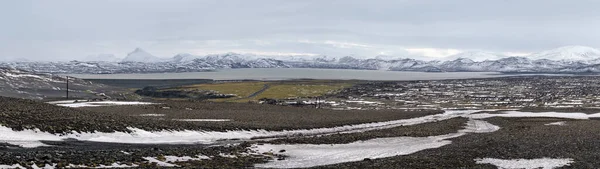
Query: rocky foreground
[(572, 139)]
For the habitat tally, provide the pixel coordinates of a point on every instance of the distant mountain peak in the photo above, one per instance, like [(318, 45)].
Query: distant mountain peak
[(464, 60), (571, 53), (184, 57), (476, 56), (140, 55)]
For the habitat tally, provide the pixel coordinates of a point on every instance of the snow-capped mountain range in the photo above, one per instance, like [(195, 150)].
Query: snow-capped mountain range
[(569, 59)]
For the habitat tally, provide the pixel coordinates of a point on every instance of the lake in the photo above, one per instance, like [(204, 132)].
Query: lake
[(297, 73)]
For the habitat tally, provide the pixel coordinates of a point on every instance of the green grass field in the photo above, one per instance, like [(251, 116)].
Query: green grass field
[(276, 90)]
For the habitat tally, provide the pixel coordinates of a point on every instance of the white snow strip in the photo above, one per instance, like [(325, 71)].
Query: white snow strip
[(201, 120), (560, 123), (308, 155), (25, 138), (114, 165), (545, 163), (139, 136), (12, 166), (34, 166), (185, 158), (158, 162), (311, 155), (22, 75), (227, 155), (97, 103), (479, 126), (31, 138), (46, 166), (152, 115), (65, 101), (535, 114)]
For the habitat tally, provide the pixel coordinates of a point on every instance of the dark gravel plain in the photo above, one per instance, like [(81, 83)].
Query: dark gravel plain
[(249, 116), (95, 154), (20, 114), (518, 138)]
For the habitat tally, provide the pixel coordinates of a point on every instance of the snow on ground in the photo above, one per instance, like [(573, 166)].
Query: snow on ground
[(53, 166), (152, 115), (31, 138), (75, 104), (560, 123), (12, 166), (165, 163), (26, 138), (479, 126), (545, 163), (535, 114), (17, 166), (65, 101), (158, 162), (201, 120), (114, 165), (307, 155), (301, 155), (185, 158), (310, 155)]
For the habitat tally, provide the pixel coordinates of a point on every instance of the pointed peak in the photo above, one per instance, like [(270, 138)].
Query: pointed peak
[(139, 55), (137, 50)]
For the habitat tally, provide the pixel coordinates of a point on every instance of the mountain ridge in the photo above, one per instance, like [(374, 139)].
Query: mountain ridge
[(585, 59)]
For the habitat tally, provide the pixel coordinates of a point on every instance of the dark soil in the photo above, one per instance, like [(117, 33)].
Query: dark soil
[(95, 154), (20, 114), (255, 116)]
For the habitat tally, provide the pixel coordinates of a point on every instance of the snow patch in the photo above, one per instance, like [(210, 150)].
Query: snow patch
[(545, 163), (113, 165), (152, 115), (31, 138), (185, 158), (479, 126), (307, 155), (12, 166), (535, 114), (311, 155), (203, 120), (75, 104), (560, 123), (158, 162)]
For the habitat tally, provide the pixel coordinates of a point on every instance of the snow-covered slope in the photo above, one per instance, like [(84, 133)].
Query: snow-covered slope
[(570, 53), (139, 55), (477, 56), (560, 60), (184, 58), (103, 58)]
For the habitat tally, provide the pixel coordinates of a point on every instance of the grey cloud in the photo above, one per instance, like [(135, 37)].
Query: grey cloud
[(73, 29)]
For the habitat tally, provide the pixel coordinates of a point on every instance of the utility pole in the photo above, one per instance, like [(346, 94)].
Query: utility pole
[(67, 87)]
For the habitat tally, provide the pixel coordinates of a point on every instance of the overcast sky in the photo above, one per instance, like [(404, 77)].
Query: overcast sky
[(75, 29)]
